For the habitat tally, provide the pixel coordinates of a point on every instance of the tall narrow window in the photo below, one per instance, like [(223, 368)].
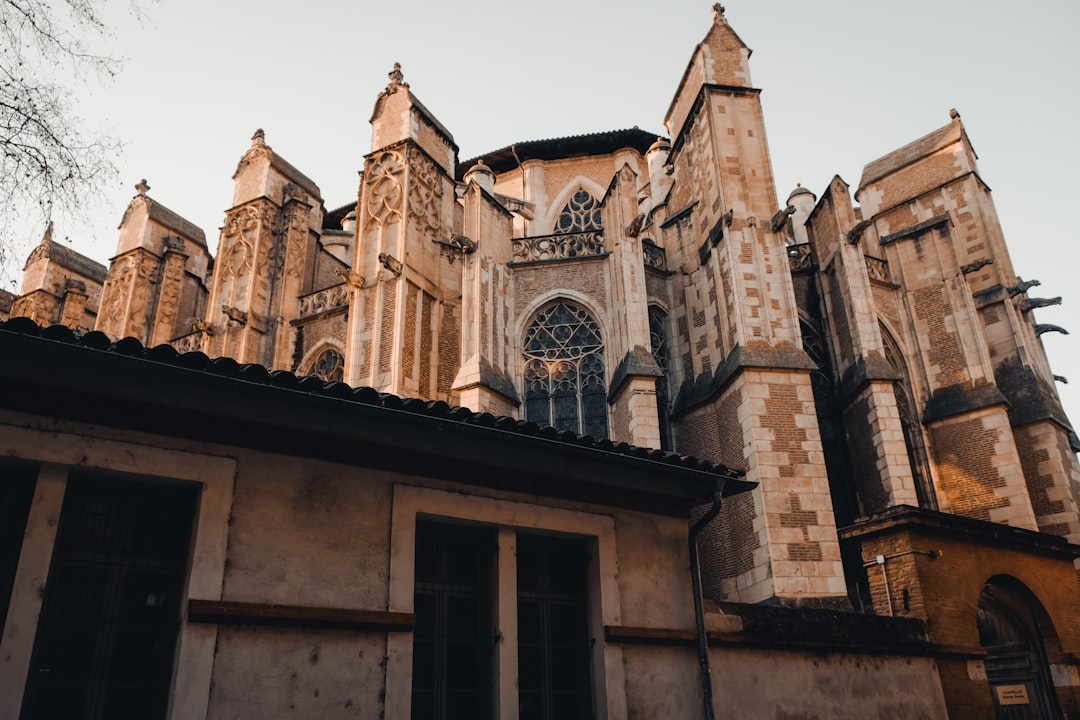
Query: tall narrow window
[(111, 612), (658, 341), (453, 638), (580, 214), (553, 635), (909, 422), (565, 384), (16, 492)]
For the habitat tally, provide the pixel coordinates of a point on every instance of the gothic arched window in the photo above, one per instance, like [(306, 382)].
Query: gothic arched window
[(580, 214), (565, 384), (328, 366), (659, 345)]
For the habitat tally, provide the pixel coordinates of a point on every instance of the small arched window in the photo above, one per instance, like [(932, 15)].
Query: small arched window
[(580, 214), (565, 384), (328, 366)]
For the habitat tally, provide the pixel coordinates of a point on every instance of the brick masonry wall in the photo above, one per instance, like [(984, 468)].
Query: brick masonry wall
[(1051, 476), (945, 592), (979, 469)]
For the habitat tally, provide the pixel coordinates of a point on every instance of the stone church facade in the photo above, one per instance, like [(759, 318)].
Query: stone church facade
[(874, 370)]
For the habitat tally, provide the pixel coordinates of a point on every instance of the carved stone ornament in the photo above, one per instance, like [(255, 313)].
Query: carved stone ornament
[(1022, 286), (241, 229), (397, 80), (1028, 304), (293, 193), (1043, 328), (390, 263), (331, 298), (561, 246), (384, 187), (200, 326), (235, 315), (424, 195), (258, 149)]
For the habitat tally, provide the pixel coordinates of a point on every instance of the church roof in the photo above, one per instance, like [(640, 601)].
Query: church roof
[(68, 259), (572, 146), (158, 390), (910, 153)]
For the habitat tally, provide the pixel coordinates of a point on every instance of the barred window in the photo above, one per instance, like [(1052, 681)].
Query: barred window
[(328, 366), (580, 214), (565, 385)]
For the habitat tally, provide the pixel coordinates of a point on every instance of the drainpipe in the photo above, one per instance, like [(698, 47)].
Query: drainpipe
[(699, 610)]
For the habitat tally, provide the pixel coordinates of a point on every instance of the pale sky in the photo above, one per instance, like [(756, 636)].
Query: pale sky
[(844, 82)]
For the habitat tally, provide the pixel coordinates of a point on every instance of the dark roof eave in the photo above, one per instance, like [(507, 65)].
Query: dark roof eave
[(601, 143), (66, 380)]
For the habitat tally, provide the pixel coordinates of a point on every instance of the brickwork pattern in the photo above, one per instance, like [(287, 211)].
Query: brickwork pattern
[(964, 451), (944, 356), (449, 350), (588, 277), (408, 354), (1050, 478), (426, 335), (386, 329)]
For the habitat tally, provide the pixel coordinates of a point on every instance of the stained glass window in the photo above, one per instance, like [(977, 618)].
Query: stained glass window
[(565, 385), (329, 366), (580, 214)]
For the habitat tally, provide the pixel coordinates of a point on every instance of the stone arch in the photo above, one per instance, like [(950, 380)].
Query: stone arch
[(1017, 632), (326, 361), (564, 369), (566, 197), (918, 456)]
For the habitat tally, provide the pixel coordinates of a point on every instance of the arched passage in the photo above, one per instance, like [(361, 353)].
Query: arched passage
[(1012, 628)]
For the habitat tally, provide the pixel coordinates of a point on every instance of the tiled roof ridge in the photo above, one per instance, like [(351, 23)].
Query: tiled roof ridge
[(579, 136), (252, 372)]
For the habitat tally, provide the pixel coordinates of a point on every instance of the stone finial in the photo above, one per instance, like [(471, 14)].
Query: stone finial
[(954, 114), (258, 139), (718, 13), (397, 79), (142, 187)]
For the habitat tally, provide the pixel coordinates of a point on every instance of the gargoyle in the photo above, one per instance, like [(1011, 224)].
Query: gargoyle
[(1047, 327), (1027, 304), (1022, 286)]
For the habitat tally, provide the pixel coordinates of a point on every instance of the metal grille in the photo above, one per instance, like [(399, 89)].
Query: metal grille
[(565, 384), (16, 492), (553, 636), (453, 639), (111, 612)]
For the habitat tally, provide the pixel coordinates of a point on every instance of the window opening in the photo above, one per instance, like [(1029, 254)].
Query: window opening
[(329, 366), (111, 612), (565, 384), (16, 493), (553, 636), (909, 423), (453, 639), (659, 344), (580, 214)]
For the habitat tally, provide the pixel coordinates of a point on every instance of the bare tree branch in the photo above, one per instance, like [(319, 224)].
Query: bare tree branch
[(49, 164)]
